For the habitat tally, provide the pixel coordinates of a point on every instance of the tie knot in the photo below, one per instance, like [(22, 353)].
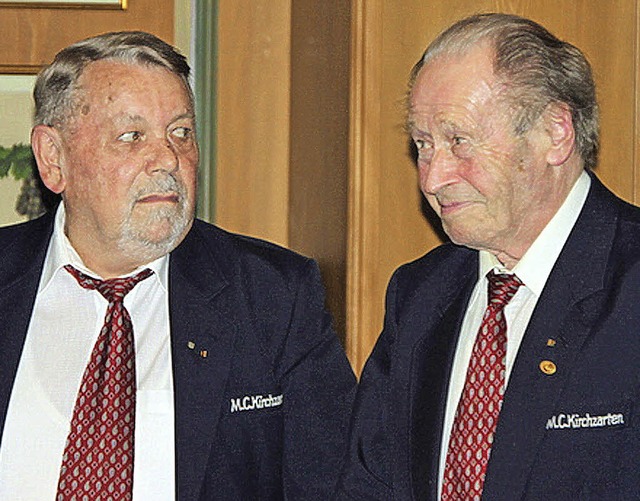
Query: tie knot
[(502, 287), (114, 289)]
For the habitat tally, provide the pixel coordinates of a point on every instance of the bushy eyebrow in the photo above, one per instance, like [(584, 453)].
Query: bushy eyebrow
[(189, 116), (127, 118), (412, 128), (416, 132)]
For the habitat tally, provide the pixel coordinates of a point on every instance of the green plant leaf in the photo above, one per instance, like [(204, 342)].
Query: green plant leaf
[(17, 160)]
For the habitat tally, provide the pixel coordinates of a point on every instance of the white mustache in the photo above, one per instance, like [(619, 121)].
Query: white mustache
[(165, 184)]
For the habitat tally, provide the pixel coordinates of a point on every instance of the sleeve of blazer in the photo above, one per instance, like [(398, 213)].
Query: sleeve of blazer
[(367, 472), (319, 384)]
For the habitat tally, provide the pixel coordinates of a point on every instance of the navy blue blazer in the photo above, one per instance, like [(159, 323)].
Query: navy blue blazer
[(573, 434), (264, 415)]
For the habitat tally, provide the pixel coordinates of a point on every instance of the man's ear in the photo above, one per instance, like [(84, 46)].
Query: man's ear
[(558, 124), (46, 144)]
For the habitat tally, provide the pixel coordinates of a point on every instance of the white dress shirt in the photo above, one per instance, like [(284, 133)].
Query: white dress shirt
[(533, 270), (64, 326)]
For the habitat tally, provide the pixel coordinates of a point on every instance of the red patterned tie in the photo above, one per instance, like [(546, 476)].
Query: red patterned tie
[(477, 413), (98, 456)]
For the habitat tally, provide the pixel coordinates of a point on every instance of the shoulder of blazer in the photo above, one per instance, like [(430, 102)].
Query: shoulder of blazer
[(22, 247), (236, 254), (605, 239), (439, 272), (210, 259)]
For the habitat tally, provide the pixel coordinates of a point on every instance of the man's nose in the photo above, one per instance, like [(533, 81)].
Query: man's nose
[(163, 158), (440, 171)]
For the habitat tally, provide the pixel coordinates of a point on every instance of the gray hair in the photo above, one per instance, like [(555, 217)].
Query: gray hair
[(56, 85), (535, 65)]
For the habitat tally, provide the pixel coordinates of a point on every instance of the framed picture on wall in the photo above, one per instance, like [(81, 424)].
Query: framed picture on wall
[(21, 193), (66, 4)]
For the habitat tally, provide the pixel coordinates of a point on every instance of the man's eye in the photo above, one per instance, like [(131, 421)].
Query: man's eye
[(182, 132), (422, 144), (458, 140), (130, 137)]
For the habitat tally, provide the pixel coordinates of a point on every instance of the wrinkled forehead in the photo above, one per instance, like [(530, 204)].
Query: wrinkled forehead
[(107, 78), (455, 87), (113, 93)]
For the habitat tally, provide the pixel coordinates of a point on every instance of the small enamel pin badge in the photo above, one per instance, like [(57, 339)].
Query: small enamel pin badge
[(192, 346), (548, 367)]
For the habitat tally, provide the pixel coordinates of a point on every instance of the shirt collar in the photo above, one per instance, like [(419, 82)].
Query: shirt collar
[(61, 253), (535, 266)]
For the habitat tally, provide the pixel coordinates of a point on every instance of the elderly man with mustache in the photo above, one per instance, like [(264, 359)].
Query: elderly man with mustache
[(145, 354)]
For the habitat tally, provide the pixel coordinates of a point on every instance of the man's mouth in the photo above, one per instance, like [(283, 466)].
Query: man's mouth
[(447, 208), (170, 197)]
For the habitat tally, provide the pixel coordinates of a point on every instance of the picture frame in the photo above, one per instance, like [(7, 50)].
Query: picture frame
[(66, 4), (20, 69)]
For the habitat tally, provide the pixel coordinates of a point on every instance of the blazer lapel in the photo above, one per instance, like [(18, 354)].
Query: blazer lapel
[(202, 341), (432, 359), (564, 314)]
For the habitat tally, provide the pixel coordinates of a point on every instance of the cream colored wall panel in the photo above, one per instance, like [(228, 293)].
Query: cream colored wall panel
[(252, 167)]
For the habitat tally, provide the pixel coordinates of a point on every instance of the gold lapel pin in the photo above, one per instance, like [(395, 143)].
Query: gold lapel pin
[(551, 342), (548, 367), (192, 346)]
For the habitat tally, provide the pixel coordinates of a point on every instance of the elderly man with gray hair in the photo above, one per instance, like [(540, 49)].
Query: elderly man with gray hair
[(148, 355), (508, 364)]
